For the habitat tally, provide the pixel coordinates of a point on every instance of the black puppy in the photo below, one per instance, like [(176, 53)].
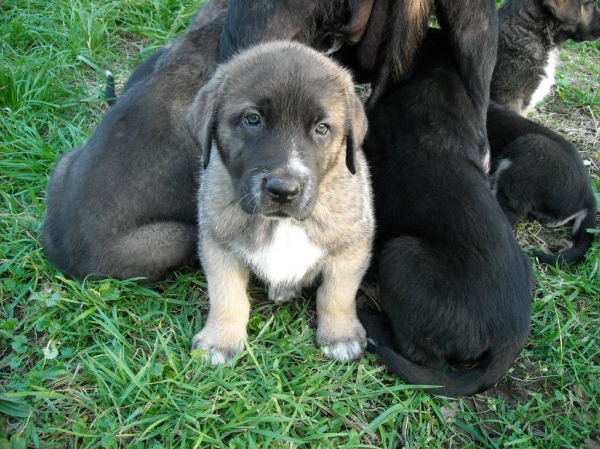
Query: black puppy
[(537, 172), (531, 34), (124, 204), (454, 285), (378, 38)]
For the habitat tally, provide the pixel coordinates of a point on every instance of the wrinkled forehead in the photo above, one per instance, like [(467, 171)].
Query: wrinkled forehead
[(294, 85)]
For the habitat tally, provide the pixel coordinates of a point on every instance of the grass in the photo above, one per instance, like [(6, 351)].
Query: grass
[(107, 364)]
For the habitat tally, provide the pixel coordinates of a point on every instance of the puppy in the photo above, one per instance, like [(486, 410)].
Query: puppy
[(454, 285), (124, 204), (531, 34), (536, 172), (284, 194), (377, 38)]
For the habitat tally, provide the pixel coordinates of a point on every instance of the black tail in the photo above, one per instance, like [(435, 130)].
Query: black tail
[(109, 94), (582, 241), (492, 366)]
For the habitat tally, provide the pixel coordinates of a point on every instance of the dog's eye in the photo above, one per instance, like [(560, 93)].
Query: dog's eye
[(252, 120), (322, 129)]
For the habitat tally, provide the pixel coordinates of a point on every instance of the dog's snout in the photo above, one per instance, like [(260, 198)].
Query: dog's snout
[(282, 189)]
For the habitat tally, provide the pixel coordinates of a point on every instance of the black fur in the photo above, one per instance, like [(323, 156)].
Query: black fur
[(546, 179), (377, 39), (454, 284)]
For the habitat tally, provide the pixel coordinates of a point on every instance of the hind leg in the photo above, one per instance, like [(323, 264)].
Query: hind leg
[(150, 251), (415, 292), (280, 294)]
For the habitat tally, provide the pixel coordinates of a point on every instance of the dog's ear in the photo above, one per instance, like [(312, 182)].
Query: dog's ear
[(202, 113), (567, 11), (360, 12), (356, 129)]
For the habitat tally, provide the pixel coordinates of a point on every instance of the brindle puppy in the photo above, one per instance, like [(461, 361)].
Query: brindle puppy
[(531, 34), (284, 194)]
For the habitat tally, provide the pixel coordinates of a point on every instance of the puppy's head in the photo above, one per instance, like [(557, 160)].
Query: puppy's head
[(282, 116), (578, 19), (324, 26)]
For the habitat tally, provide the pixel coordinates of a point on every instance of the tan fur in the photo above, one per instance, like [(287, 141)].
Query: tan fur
[(340, 224), (568, 11)]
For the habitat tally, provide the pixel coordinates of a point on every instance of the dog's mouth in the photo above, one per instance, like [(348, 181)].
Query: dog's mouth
[(276, 214)]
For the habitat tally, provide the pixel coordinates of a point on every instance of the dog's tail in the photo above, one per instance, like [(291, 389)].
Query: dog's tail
[(491, 367), (582, 241), (109, 93)]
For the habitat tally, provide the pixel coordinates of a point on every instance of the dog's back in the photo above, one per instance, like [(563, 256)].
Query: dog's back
[(453, 281), (537, 172)]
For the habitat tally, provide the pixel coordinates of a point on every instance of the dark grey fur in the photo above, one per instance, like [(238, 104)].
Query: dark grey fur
[(124, 204), (206, 14)]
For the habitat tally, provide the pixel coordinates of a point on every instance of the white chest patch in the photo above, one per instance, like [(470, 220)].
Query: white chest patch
[(546, 81), (287, 257)]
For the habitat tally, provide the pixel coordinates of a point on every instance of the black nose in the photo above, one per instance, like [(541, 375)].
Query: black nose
[(282, 189)]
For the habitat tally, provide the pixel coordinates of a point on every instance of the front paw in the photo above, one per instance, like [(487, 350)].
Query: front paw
[(341, 344), (218, 350)]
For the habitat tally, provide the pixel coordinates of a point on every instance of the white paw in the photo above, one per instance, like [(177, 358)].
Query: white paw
[(216, 354), (344, 351)]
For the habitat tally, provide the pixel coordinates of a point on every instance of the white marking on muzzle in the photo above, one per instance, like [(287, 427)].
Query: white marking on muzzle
[(295, 164)]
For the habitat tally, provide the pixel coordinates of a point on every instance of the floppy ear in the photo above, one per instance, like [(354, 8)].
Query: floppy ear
[(360, 11), (202, 113), (356, 129), (567, 11)]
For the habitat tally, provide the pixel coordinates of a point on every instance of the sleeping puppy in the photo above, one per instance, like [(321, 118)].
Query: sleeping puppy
[(284, 194), (377, 38), (454, 285), (531, 34), (124, 204), (206, 14), (536, 172)]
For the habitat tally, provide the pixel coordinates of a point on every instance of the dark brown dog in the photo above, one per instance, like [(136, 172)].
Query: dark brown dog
[(531, 34), (537, 172), (454, 285), (124, 204), (379, 37)]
